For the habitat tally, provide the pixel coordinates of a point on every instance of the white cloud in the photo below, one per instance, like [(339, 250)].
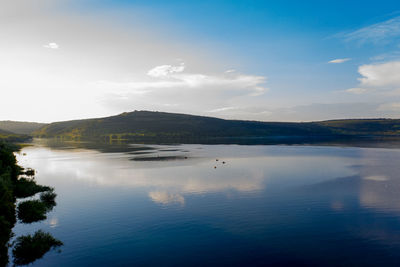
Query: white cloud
[(221, 109), (378, 77), (173, 76), (166, 78), (177, 90), (377, 32), (242, 112), (356, 90), (169, 86), (339, 60), (51, 46), (165, 70), (230, 71)]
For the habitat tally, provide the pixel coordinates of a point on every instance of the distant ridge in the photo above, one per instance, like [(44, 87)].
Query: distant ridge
[(20, 127), (146, 126), (12, 137), (4, 132)]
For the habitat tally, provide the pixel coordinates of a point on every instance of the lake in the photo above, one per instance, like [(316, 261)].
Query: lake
[(124, 205)]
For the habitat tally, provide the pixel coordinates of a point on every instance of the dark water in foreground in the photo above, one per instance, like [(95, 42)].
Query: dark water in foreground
[(168, 205)]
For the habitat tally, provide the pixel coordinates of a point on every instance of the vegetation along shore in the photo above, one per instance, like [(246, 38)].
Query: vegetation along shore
[(18, 183)]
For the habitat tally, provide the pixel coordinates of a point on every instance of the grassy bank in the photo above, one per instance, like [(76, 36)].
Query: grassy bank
[(15, 182), (9, 172)]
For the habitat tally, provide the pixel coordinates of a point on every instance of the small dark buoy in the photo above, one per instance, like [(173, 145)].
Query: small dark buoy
[(216, 160), (223, 162), (185, 157), (215, 167)]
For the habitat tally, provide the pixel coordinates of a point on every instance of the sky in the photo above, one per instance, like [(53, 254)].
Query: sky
[(282, 60)]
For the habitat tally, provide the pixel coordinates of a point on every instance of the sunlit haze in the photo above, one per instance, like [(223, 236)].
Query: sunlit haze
[(256, 60)]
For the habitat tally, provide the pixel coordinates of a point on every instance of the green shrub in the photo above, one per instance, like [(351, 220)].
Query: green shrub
[(7, 206), (5, 235), (9, 172), (27, 248)]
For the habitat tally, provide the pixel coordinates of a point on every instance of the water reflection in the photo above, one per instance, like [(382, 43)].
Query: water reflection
[(165, 198), (34, 201), (380, 186), (29, 248), (276, 205), (196, 173)]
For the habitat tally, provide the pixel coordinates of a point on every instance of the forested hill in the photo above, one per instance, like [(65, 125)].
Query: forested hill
[(377, 127), (4, 132), (160, 125), (12, 137), (20, 127)]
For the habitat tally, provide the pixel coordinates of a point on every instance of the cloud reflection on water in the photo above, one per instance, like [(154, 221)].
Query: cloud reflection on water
[(379, 189), (168, 182), (164, 197)]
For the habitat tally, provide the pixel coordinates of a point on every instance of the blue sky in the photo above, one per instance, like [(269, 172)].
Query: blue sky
[(280, 52), (260, 32)]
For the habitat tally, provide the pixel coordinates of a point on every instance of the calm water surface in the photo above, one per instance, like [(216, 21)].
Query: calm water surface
[(176, 205)]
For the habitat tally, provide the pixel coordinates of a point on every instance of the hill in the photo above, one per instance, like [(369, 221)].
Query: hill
[(20, 127), (12, 137), (4, 132), (146, 125), (375, 127), (150, 126)]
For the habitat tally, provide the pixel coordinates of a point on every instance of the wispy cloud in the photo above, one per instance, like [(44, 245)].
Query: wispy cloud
[(326, 111), (230, 71), (387, 56), (242, 112), (168, 76), (356, 90), (51, 46), (377, 32), (170, 86), (311, 112), (339, 60), (221, 109)]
